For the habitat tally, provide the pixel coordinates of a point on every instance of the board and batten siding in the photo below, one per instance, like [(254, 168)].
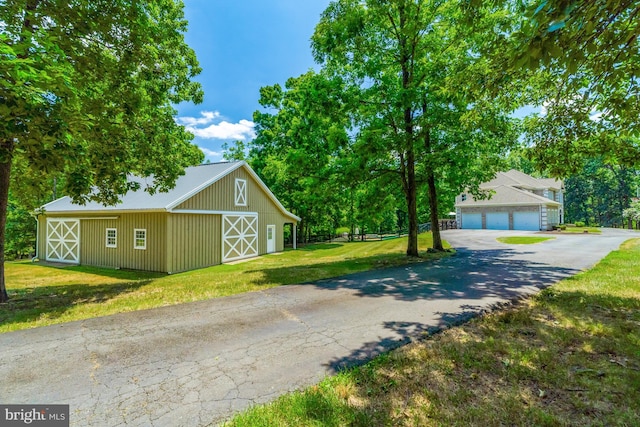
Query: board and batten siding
[(220, 196), (93, 249), (194, 241)]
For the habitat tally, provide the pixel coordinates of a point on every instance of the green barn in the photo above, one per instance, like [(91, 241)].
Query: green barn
[(216, 213)]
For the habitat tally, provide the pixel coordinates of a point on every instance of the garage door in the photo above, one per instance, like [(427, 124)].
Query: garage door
[(526, 221), (497, 220), (472, 220), (63, 240), (239, 236)]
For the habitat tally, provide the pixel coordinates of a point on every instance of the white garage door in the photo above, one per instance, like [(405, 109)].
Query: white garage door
[(239, 236), (526, 221), (497, 220), (63, 240), (472, 220)]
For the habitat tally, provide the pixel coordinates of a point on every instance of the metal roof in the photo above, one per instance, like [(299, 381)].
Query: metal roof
[(194, 180)]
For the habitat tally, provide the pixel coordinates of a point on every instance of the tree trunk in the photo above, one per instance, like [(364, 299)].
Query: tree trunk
[(433, 192), (412, 205), (6, 148), (433, 207)]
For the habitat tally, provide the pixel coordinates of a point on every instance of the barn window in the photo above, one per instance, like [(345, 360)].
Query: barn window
[(112, 238), (241, 192), (140, 238)]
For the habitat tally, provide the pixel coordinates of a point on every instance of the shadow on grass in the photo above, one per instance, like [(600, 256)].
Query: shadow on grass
[(572, 359), (318, 246), (52, 302), (123, 274), (308, 273)]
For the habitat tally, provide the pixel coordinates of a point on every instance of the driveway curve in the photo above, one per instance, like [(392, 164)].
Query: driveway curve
[(198, 363)]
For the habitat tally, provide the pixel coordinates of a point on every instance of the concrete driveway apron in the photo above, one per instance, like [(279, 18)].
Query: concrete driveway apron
[(198, 363)]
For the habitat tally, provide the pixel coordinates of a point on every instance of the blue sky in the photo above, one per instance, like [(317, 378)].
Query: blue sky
[(243, 45)]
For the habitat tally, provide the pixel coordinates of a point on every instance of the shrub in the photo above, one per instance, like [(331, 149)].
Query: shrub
[(579, 223)]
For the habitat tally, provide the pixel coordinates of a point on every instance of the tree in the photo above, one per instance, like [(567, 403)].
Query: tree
[(599, 193), (421, 110), (86, 96), (632, 213), (299, 146), (588, 55)]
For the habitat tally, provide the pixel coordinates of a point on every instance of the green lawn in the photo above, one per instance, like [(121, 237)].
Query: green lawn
[(582, 230), (43, 295), (569, 356), (523, 240)]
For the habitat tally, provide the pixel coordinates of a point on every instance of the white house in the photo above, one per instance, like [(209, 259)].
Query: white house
[(518, 202)]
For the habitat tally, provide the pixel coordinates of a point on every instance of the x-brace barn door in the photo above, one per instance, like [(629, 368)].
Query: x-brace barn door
[(239, 236)]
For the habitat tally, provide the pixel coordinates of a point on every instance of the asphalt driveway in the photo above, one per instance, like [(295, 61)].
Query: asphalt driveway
[(196, 364)]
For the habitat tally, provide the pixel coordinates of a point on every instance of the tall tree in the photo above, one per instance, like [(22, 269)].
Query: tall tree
[(422, 112), (87, 93)]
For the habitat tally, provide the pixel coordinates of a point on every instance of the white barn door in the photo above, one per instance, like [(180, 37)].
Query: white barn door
[(63, 240), (239, 236)]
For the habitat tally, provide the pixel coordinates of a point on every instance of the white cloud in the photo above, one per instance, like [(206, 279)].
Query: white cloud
[(206, 128), (242, 130), (211, 153), (207, 117)]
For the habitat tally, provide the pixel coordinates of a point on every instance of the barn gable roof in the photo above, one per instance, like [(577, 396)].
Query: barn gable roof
[(194, 180)]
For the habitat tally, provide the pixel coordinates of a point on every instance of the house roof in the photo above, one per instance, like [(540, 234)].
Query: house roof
[(522, 180), (194, 180), (506, 195)]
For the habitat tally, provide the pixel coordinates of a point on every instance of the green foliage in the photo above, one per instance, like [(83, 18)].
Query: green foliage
[(300, 149), (20, 231), (86, 96), (587, 55), (632, 212), (88, 93), (409, 65), (599, 193)]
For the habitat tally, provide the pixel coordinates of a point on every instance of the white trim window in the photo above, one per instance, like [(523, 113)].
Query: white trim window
[(241, 192), (111, 238), (140, 238)]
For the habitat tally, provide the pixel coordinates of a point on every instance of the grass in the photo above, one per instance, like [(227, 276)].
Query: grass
[(523, 240), (44, 295), (582, 230), (568, 356)]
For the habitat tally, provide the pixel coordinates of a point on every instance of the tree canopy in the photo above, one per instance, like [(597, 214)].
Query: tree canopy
[(586, 59), (420, 107), (86, 96)]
